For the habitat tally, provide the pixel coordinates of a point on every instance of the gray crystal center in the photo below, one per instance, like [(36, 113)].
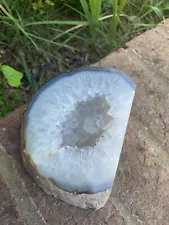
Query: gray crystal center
[(87, 123)]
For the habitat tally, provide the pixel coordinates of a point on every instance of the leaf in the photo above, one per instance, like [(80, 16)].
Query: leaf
[(56, 22), (158, 12), (86, 10), (13, 76)]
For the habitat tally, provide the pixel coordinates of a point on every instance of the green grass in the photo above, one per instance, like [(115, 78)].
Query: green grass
[(50, 29), (42, 27)]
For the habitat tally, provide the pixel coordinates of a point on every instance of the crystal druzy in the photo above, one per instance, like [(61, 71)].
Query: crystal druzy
[(75, 126)]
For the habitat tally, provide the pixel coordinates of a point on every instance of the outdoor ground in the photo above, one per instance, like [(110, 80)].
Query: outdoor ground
[(140, 195), (36, 40)]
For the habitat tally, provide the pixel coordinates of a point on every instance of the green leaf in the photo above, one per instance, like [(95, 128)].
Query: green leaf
[(158, 12), (13, 76), (86, 10), (56, 22)]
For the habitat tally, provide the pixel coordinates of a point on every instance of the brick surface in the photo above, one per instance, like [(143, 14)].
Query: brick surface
[(8, 213), (163, 28), (141, 190), (152, 46), (25, 206)]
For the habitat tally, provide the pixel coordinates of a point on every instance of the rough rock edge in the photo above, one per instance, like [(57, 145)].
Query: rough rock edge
[(94, 201)]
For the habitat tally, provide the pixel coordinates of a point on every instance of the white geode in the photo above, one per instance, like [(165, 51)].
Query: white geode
[(74, 129)]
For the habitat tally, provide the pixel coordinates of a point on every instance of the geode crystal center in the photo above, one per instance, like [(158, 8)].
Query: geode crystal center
[(86, 123)]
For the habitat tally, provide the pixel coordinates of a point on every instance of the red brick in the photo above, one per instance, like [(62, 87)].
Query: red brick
[(8, 212), (152, 46)]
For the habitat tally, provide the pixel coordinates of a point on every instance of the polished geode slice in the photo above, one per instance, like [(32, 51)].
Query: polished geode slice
[(73, 132)]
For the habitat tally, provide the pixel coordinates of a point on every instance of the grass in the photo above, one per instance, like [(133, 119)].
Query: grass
[(46, 30)]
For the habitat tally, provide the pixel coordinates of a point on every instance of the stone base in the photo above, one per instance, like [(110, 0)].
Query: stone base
[(84, 200)]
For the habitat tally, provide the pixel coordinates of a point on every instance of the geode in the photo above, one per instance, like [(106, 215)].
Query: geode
[(73, 132)]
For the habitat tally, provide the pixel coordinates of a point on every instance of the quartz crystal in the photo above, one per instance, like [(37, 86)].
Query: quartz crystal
[(74, 128)]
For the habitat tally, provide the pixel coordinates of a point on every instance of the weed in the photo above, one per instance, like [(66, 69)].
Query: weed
[(12, 76)]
